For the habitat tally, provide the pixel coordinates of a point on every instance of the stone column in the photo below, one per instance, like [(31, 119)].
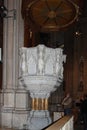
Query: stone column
[(15, 98), (8, 39)]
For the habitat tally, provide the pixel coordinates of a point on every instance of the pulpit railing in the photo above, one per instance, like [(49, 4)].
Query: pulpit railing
[(65, 123)]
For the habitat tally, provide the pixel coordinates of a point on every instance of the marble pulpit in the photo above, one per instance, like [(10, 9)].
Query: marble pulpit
[(41, 73)]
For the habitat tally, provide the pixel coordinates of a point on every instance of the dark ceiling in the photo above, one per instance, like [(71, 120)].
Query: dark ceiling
[(25, 5), (58, 37)]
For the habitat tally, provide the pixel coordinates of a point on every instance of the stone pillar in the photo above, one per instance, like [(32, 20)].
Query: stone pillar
[(14, 97), (8, 44)]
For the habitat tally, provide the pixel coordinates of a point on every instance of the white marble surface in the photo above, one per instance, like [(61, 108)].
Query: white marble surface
[(41, 70)]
